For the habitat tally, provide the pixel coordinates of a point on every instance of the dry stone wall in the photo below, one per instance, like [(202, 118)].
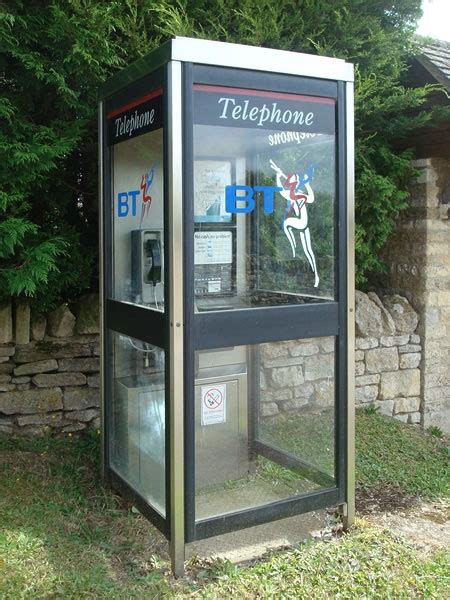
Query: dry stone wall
[(388, 356), (50, 381), (49, 369)]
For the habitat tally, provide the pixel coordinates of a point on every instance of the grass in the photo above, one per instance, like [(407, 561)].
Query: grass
[(388, 453), (63, 536)]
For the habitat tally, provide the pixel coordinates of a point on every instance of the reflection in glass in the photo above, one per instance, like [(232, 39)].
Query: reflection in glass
[(265, 426), (138, 418)]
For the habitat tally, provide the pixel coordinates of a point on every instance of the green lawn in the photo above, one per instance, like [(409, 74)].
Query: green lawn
[(63, 536)]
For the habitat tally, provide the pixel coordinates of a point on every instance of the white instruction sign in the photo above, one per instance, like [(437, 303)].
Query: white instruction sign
[(213, 247), (214, 404)]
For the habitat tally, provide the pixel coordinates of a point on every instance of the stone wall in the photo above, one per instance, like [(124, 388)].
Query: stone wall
[(419, 259), (49, 369), (388, 356), (297, 376)]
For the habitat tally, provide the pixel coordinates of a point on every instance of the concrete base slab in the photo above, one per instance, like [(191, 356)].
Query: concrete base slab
[(254, 542)]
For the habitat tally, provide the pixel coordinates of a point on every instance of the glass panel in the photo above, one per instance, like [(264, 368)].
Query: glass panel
[(264, 423), (137, 442), (138, 202), (264, 198)]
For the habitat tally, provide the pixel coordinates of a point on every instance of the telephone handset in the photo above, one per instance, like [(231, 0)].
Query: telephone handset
[(153, 259), (147, 266)]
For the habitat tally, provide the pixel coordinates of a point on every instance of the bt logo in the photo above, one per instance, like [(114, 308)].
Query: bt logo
[(247, 195), (128, 200)]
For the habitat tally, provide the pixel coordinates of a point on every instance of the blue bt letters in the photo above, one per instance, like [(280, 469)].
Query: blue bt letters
[(123, 207), (231, 198)]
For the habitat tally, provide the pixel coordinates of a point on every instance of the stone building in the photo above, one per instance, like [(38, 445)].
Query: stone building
[(419, 252)]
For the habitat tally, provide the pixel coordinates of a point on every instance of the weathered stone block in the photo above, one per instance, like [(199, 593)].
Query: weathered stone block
[(414, 418), (368, 317), (405, 317), (304, 391), (365, 343), (327, 344), (287, 376), (59, 379), (386, 319), (61, 322), (82, 415), (6, 367), (414, 338), (360, 368), (283, 361), (274, 350), (7, 387), (21, 387), (38, 327), (359, 355), (72, 427), (398, 384), (81, 398), (6, 327), (293, 404), (324, 393), (401, 417), (87, 314), (379, 360), (7, 350), (6, 427), (409, 348), (367, 380), (409, 361), (276, 396), (319, 366), (94, 381), (95, 423), (21, 380), (304, 349), (5, 378), (404, 405), (85, 365), (394, 340), (32, 401), (53, 419), (367, 393), (50, 349), (268, 409), (40, 366), (385, 407), (22, 321)]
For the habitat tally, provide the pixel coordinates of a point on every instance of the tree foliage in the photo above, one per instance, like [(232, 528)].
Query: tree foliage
[(55, 54)]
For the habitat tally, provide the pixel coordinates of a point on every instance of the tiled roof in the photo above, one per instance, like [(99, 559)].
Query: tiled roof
[(435, 57)]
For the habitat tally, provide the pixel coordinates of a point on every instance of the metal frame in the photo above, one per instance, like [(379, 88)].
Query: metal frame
[(181, 331), (176, 316)]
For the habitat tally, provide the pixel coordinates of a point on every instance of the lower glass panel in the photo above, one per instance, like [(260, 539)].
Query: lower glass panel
[(265, 426), (137, 438)]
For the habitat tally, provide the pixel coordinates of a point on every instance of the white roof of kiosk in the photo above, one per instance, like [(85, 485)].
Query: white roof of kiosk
[(237, 56)]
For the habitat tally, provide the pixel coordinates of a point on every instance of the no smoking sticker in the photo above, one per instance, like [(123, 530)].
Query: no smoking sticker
[(214, 400)]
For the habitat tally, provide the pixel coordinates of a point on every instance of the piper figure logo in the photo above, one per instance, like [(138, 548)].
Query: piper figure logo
[(146, 184), (127, 201), (296, 189)]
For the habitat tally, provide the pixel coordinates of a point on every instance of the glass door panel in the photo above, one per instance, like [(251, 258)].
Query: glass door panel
[(137, 436), (264, 424)]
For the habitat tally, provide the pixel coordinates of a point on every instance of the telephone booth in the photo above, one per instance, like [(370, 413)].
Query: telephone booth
[(227, 286)]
